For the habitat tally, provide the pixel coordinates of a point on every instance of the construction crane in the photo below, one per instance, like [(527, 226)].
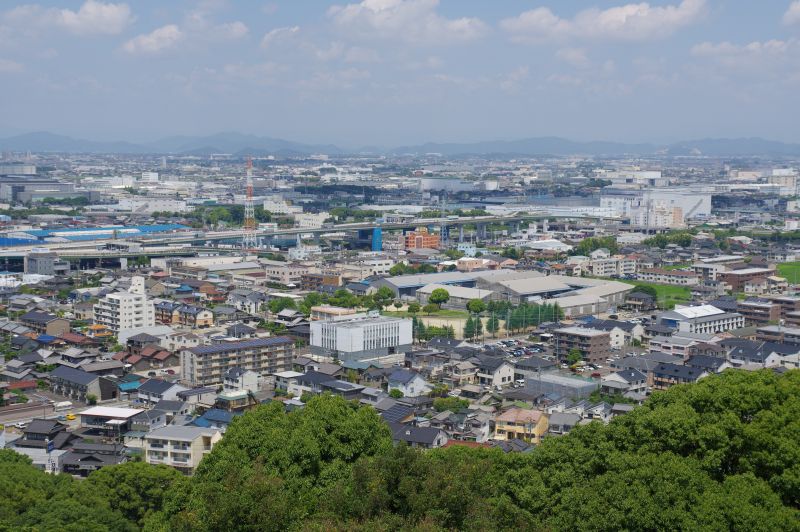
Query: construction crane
[(249, 238)]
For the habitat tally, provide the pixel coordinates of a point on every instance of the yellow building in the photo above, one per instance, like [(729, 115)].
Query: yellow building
[(522, 424), (182, 447)]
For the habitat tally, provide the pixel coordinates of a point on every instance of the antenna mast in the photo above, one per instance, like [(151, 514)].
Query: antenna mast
[(249, 240)]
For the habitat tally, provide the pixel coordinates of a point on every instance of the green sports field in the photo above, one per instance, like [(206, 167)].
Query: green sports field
[(790, 270), (669, 295)]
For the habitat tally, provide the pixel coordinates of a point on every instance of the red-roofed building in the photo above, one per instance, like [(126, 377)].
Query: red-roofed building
[(76, 339), (22, 386)]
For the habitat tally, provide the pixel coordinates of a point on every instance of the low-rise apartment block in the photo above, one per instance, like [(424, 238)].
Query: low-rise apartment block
[(737, 279), (759, 311), (594, 345), (206, 364), (182, 447), (676, 277)]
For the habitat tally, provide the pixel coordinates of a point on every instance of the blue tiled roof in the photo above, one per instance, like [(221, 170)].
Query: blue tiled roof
[(218, 415), (129, 386), (201, 422)]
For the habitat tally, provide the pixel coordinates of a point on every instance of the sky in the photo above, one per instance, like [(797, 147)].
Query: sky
[(396, 72)]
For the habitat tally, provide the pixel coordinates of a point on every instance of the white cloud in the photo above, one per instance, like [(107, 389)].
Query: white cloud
[(6, 66), (348, 54), (792, 15), (344, 79), (411, 21), (198, 26), (574, 56), (356, 54), (92, 18), (278, 35), (231, 30), (514, 80), (96, 17), (156, 41), (756, 56), (629, 22), (772, 48)]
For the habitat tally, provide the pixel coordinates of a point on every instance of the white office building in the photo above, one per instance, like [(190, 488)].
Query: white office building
[(310, 220), (701, 319), (149, 205), (363, 338), (660, 207), (277, 205), (121, 311)]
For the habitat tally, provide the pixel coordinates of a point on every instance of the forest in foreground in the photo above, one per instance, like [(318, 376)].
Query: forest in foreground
[(722, 454)]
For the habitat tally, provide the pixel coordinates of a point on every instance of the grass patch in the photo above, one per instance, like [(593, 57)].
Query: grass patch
[(790, 270), (668, 295), (443, 313), (672, 267)]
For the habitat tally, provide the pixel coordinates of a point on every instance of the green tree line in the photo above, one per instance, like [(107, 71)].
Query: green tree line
[(721, 454)]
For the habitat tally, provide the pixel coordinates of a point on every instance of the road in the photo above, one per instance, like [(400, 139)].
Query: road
[(24, 412), (188, 237)]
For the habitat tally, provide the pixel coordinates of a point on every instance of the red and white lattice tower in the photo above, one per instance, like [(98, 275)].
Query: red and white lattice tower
[(249, 239)]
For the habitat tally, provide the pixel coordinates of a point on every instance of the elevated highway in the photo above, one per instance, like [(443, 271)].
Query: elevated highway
[(190, 242)]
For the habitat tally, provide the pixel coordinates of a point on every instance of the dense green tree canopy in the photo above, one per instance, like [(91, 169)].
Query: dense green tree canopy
[(439, 296), (721, 454)]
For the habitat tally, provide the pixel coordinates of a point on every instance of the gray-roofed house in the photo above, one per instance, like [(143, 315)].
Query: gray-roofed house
[(493, 371), (422, 437), (627, 380), (708, 363), (668, 375), (45, 323), (40, 431), (154, 390), (562, 422), (410, 383), (85, 457), (79, 385)]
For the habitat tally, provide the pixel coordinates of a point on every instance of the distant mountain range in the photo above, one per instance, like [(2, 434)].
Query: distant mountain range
[(239, 144), (232, 143)]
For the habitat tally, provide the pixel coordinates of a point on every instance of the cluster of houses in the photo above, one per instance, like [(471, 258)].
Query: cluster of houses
[(158, 365)]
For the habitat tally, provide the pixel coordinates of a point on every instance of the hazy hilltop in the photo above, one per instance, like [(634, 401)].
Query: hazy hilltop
[(241, 144)]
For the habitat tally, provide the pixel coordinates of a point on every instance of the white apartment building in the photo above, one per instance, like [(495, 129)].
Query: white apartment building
[(283, 273), (182, 447), (787, 179), (148, 205), (660, 276), (149, 177), (310, 220), (616, 265), (362, 338), (659, 207), (281, 206), (366, 268), (121, 311)]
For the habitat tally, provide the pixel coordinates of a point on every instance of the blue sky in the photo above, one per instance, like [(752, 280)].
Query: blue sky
[(390, 72)]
